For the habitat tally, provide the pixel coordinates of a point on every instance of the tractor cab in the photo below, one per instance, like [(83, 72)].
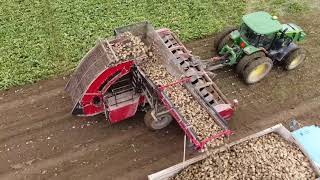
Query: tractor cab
[(259, 29), (262, 30)]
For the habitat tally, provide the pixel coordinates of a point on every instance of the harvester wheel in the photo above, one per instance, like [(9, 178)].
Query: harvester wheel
[(243, 62), (257, 70), (161, 122), (223, 38), (294, 59)]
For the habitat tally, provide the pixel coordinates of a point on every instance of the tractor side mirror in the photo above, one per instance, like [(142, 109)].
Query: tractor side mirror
[(283, 33), (301, 36)]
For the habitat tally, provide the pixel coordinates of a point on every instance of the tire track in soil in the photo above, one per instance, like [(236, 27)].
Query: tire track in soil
[(90, 151), (18, 129), (90, 155)]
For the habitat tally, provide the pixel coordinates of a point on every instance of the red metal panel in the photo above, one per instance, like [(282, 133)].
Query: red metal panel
[(124, 111), (225, 110), (142, 100), (89, 108)]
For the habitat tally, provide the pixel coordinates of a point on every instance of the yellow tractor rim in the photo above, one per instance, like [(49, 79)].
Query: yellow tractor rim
[(296, 61), (258, 73)]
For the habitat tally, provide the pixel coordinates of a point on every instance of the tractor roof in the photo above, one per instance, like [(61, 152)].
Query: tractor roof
[(262, 22)]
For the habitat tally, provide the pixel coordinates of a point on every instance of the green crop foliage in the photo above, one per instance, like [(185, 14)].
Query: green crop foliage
[(41, 39), (296, 7), (281, 7)]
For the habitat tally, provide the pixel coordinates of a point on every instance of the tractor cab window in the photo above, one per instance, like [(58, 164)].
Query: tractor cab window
[(281, 41), (255, 39), (249, 35), (266, 41)]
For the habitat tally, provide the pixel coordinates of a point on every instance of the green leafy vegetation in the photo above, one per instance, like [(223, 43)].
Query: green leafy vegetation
[(296, 7), (40, 39), (280, 7), (44, 38)]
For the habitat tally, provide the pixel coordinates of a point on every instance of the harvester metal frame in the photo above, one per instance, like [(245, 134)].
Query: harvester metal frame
[(100, 69)]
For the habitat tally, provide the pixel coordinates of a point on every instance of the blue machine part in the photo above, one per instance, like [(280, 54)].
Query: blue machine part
[(309, 138)]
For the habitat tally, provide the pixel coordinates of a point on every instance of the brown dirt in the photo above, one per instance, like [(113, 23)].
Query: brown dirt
[(40, 139)]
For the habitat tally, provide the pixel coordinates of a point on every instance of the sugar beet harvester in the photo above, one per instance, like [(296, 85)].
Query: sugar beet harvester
[(118, 85)]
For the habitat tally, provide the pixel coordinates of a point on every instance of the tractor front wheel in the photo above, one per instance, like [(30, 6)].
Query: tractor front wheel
[(257, 70), (156, 123), (223, 38), (294, 59)]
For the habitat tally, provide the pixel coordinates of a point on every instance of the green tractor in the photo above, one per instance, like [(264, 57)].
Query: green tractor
[(259, 42)]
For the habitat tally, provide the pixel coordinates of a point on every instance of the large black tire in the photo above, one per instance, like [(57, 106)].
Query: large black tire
[(294, 59), (162, 122), (244, 61), (257, 70), (223, 38)]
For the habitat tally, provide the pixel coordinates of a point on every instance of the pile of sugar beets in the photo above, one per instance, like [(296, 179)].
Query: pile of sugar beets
[(266, 157)]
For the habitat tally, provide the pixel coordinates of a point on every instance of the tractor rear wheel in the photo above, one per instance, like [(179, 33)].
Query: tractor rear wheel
[(223, 38), (161, 122), (257, 70), (294, 59), (244, 61)]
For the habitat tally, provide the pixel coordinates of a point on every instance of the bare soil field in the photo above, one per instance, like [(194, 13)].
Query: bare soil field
[(40, 139)]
